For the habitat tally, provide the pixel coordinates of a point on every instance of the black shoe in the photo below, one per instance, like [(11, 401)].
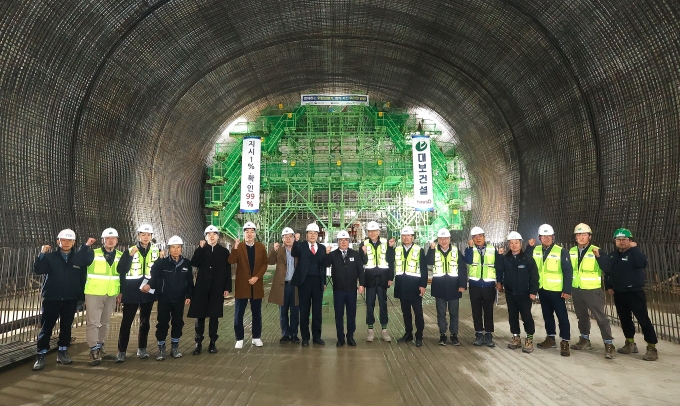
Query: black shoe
[(198, 349), (442, 339), (295, 339), (212, 348), (284, 340), (454, 339), (318, 341), (63, 358), (419, 342), (39, 362), (351, 342), (305, 343), (405, 338), (479, 340), (488, 340), (340, 343)]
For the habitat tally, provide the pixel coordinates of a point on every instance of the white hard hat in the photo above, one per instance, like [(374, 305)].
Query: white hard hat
[(249, 224), (514, 235), (313, 227), (443, 233), (67, 234), (476, 231), (175, 240), (342, 234), (407, 230), (145, 228), (546, 229), (372, 225), (287, 230), (582, 228), (110, 232), (210, 229)]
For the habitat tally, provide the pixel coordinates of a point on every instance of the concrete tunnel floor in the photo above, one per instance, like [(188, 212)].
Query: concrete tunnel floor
[(377, 373)]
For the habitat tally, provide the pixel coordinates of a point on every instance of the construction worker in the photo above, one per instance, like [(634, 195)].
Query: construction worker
[(554, 280), (518, 276), (213, 284), (65, 273), (482, 259), (102, 291), (379, 275), (449, 280), (347, 269), (310, 279), (282, 292), (143, 255), (627, 284), (586, 293), (251, 264), (410, 283), (172, 279)]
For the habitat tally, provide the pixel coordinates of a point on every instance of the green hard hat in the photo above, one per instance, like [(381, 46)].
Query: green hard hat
[(623, 232)]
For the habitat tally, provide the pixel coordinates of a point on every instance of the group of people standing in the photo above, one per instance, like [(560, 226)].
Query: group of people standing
[(143, 274)]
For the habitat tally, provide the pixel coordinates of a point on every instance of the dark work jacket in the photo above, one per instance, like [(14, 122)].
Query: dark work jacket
[(377, 276), (301, 251), (345, 273), (173, 283), (64, 280), (212, 280), (130, 287), (518, 274), (446, 287), (627, 270), (406, 286)]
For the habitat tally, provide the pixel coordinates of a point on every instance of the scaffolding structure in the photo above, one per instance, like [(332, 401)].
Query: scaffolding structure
[(339, 166)]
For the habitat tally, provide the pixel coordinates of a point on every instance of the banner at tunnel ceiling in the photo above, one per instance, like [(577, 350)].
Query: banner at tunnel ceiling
[(250, 174), (334, 99), (423, 198)]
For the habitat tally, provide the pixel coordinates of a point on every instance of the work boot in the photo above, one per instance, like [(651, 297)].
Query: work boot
[(63, 358), (628, 348), (198, 349), (609, 351), (442, 339), (405, 338), (454, 339), (548, 343), (515, 343), (212, 348), (564, 348), (528, 345), (370, 336), (120, 357), (142, 354), (582, 344), (174, 350), (39, 362), (161, 353), (488, 340), (479, 340), (95, 356), (386, 337), (651, 354)]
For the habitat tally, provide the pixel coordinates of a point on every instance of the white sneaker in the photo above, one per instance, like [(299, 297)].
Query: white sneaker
[(370, 336), (239, 344), (386, 337), (257, 342)]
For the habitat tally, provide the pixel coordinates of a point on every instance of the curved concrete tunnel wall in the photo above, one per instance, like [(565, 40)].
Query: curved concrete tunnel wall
[(565, 111)]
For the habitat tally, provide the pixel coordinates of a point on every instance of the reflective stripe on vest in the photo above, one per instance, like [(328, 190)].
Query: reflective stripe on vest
[(141, 266), (381, 254), (485, 271), (588, 274), (409, 266), (102, 278), (445, 264), (549, 271)]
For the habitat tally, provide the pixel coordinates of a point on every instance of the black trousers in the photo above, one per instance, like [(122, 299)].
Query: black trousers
[(168, 311), (520, 305), (212, 329), (129, 313), (310, 296), (553, 303), (342, 299), (417, 306), (371, 294), (634, 303), (52, 310), (482, 301)]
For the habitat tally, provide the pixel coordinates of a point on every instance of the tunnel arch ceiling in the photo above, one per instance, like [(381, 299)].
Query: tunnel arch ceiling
[(549, 87)]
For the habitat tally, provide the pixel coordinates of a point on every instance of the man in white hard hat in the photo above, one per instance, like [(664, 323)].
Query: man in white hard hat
[(410, 282), (251, 264), (102, 290), (213, 284), (173, 281), (347, 270), (65, 271), (482, 258), (379, 275), (142, 255), (282, 292), (310, 279), (449, 281), (555, 279), (587, 293)]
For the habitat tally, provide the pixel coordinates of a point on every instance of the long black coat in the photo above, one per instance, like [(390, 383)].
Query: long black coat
[(212, 280)]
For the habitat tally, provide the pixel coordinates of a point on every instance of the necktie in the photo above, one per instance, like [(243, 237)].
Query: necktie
[(313, 249), (344, 254)]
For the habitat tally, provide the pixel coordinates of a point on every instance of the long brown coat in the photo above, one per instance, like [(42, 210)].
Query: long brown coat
[(239, 256), (276, 293)]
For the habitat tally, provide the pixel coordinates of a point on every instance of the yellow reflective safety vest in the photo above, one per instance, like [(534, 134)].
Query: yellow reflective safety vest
[(549, 271), (102, 278), (376, 258), (445, 264), (141, 265), (588, 274), (407, 265), (485, 271)]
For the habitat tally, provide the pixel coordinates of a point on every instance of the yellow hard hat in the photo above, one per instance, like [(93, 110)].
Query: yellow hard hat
[(582, 228)]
